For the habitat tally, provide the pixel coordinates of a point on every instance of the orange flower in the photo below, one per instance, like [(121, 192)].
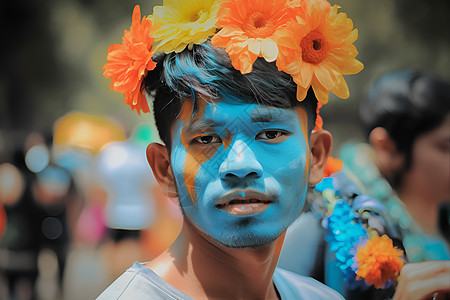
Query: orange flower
[(378, 261), (333, 165), (250, 30), (129, 62), (324, 51)]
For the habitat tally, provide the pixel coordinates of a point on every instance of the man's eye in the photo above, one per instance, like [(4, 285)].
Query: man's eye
[(207, 139), (269, 135), (272, 136)]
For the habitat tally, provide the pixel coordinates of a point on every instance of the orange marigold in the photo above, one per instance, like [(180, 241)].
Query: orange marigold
[(378, 261), (319, 50), (250, 29), (129, 62)]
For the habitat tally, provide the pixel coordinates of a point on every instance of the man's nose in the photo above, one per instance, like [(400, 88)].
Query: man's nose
[(240, 163)]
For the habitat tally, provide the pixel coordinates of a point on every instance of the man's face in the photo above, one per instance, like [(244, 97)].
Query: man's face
[(241, 169)]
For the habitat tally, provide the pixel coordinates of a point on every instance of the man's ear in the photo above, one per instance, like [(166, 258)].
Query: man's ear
[(387, 158), (320, 151), (159, 161)]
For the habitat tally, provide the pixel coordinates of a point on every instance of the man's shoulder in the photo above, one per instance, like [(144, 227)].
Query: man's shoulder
[(293, 286), (139, 282)]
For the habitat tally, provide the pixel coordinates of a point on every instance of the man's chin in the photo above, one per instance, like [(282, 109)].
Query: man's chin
[(246, 240)]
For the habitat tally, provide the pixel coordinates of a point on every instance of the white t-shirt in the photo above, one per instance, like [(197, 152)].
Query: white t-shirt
[(139, 282)]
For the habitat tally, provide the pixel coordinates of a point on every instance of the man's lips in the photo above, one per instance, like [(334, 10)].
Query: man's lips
[(244, 202)]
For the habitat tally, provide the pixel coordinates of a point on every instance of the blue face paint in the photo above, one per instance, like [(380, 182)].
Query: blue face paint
[(241, 169)]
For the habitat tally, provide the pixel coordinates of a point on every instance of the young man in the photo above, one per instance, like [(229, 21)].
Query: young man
[(239, 155)]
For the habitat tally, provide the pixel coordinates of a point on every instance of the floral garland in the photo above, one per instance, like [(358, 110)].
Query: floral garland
[(364, 257), (308, 39)]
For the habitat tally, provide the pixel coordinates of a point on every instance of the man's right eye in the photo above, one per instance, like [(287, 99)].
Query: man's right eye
[(208, 139)]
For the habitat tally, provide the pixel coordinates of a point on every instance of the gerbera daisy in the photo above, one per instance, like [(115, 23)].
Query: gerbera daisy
[(324, 51), (129, 62), (378, 261), (250, 29), (180, 24)]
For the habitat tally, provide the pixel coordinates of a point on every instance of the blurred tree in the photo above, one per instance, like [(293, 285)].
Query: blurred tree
[(29, 72), (427, 21)]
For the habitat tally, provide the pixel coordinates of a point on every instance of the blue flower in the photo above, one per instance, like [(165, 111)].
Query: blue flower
[(325, 184), (344, 235)]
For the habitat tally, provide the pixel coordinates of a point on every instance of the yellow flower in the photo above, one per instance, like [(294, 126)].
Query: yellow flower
[(179, 24)]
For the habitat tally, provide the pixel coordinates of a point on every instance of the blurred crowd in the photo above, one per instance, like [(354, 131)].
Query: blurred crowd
[(78, 206)]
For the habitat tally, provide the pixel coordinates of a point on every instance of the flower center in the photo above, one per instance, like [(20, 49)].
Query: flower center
[(259, 22), (258, 26), (314, 47)]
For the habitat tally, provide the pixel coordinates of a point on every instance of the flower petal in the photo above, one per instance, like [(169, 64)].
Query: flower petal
[(254, 46), (306, 74), (340, 89), (269, 50), (301, 93), (320, 92), (325, 76)]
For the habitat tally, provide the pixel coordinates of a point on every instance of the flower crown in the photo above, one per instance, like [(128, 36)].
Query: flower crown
[(307, 39)]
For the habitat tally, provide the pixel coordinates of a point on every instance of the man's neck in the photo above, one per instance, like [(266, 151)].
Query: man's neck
[(203, 269)]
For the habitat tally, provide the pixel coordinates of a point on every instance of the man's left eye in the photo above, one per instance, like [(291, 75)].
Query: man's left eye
[(272, 135)]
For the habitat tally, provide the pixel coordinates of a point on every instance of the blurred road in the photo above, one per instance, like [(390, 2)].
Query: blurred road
[(86, 275)]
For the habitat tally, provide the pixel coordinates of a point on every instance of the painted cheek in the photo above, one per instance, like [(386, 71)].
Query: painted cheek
[(303, 119), (193, 163), (195, 156)]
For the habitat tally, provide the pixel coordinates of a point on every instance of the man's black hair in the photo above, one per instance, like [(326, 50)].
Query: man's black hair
[(207, 71)]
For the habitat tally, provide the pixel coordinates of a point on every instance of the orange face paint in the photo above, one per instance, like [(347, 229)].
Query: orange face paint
[(227, 139), (195, 157)]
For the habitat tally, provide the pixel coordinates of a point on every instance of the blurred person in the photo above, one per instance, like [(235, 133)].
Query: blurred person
[(11, 187), (239, 151), (37, 216), (167, 220), (20, 243), (78, 137), (127, 181), (56, 194), (405, 168), (407, 120)]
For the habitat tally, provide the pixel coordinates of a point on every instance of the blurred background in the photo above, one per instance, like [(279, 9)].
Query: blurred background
[(69, 148)]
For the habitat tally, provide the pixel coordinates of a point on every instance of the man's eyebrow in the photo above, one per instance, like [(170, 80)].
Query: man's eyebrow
[(267, 115), (199, 125)]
